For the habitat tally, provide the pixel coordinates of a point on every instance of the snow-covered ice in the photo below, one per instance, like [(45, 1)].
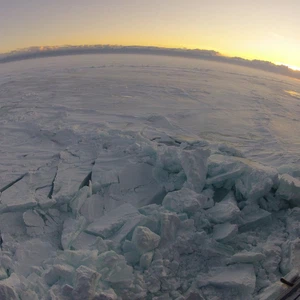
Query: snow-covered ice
[(224, 211), (224, 232), (289, 189), (140, 177)]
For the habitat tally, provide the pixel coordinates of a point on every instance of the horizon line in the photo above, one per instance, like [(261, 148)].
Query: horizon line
[(63, 50)]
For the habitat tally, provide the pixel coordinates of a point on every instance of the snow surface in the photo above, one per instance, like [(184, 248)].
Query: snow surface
[(139, 177)]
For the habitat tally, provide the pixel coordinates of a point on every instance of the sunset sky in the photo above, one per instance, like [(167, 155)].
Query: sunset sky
[(257, 29)]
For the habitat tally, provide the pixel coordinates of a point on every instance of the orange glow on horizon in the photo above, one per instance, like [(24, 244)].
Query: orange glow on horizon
[(295, 68), (169, 44), (232, 28)]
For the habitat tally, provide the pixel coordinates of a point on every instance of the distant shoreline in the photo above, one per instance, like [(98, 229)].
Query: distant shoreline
[(211, 55)]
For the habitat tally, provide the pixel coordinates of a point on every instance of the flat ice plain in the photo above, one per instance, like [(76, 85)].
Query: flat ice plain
[(147, 177)]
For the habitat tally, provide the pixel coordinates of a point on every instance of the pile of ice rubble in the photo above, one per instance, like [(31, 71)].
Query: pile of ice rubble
[(129, 217)]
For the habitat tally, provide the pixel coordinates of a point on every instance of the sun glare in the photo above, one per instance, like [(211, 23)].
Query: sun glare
[(295, 68), (293, 94)]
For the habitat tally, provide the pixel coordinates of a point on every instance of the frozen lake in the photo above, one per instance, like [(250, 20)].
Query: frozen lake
[(133, 177), (254, 111)]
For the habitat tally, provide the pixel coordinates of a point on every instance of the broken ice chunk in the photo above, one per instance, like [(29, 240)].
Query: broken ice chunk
[(140, 188), (79, 199), (291, 169), (16, 281), (246, 257), (223, 170), (169, 225), (5, 261), (150, 209), (132, 257), (128, 227), (113, 268), (224, 211), (78, 258), (291, 256), (56, 272), (140, 175), (194, 164), (271, 203), (37, 284), (106, 295), (55, 293), (289, 189), (85, 241), (18, 197), (146, 259), (225, 180), (105, 170), (64, 271), (3, 274), (43, 200), (31, 253), (71, 229), (34, 222), (254, 219), (225, 232), (67, 290), (7, 292), (240, 277), (230, 151), (104, 229), (8, 179), (85, 283), (41, 180), (33, 219), (191, 296), (144, 239), (209, 194), (170, 160), (71, 173), (293, 222), (110, 173), (93, 207), (252, 180), (113, 221), (102, 178), (29, 295), (257, 181), (184, 201), (128, 246)]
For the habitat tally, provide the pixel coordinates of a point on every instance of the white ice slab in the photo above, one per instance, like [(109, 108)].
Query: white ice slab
[(289, 189), (224, 211)]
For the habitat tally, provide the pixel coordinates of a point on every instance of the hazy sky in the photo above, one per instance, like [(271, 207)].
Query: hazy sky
[(262, 29)]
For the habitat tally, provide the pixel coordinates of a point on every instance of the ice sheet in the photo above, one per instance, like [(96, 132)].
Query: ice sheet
[(128, 177)]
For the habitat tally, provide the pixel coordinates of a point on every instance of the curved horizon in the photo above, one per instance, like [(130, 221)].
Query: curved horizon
[(54, 51), (264, 31), (55, 47)]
